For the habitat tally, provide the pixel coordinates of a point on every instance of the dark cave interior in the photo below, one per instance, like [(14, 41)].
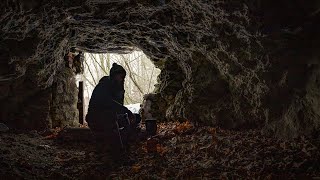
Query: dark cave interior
[(249, 69)]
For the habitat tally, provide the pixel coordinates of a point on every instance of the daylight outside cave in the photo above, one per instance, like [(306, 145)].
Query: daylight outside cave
[(141, 75)]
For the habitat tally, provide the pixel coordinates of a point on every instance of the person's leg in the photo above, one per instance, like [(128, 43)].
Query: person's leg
[(95, 127), (105, 131), (124, 129), (113, 138), (137, 122), (99, 135), (115, 144)]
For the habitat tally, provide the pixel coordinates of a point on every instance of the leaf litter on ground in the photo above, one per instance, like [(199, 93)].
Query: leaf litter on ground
[(207, 152), (182, 151)]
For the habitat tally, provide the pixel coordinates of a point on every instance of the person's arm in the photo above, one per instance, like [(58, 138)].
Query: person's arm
[(118, 107), (122, 109)]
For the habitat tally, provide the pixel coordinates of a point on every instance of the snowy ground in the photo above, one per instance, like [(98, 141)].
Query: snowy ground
[(134, 108)]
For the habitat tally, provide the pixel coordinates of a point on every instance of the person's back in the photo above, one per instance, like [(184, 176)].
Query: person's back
[(101, 95), (100, 115), (105, 103)]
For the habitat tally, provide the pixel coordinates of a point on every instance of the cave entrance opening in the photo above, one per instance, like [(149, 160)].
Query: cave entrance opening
[(140, 80)]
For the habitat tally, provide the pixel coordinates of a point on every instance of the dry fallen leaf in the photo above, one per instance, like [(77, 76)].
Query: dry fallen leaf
[(183, 127), (135, 168), (161, 150), (51, 136)]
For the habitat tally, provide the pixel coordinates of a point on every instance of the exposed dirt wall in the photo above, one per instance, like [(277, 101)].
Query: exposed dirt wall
[(233, 64)]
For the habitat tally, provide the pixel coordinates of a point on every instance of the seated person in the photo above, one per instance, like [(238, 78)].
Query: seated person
[(106, 107)]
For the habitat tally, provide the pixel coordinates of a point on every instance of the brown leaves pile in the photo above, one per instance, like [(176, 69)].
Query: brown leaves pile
[(52, 134), (187, 152)]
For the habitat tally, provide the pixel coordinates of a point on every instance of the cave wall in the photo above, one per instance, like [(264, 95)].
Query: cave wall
[(236, 65), (292, 42), (63, 107), (24, 105)]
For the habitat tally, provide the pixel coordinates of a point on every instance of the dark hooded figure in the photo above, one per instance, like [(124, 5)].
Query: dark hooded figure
[(106, 104)]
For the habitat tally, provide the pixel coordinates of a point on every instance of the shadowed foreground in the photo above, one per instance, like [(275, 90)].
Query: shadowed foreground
[(183, 152)]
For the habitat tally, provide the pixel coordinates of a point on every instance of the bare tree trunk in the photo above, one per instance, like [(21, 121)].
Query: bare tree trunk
[(91, 73), (150, 80), (132, 78)]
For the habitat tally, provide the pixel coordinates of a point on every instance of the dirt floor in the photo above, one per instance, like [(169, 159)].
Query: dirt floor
[(179, 151)]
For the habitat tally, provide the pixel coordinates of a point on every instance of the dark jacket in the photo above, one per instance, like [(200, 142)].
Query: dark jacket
[(105, 103), (106, 97)]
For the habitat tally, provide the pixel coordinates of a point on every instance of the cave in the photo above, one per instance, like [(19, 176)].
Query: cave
[(230, 71)]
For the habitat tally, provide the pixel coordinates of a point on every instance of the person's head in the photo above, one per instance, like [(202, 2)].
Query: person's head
[(117, 73)]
